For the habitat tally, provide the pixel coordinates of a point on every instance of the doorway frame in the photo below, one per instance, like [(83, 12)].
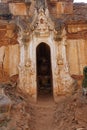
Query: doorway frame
[(53, 53), (51, 93)]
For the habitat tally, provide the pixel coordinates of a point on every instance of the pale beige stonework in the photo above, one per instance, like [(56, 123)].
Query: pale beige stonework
[(9, 59), (13, 59), (85, 50), (76, 56), (33, 25), (43, 31)]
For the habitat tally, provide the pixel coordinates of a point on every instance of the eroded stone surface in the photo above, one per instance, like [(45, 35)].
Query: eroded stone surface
[(18, 8), (62, 26)]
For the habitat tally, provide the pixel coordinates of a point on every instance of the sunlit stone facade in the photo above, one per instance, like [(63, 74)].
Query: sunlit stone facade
[(32, 31)]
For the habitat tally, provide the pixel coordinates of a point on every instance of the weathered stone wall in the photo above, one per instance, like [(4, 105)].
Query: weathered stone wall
[(13, 59), (85, 51), (57, 8), (9, 59), (26, 24), (77, 47), (76, 34), (16, 7), (76, 56)]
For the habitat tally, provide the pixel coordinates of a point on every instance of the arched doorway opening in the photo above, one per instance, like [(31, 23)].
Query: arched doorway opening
[(44, 71)]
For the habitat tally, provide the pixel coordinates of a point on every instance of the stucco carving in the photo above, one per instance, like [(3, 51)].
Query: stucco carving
[(42, 29), (65, 83), (42, 24), (26, 73)]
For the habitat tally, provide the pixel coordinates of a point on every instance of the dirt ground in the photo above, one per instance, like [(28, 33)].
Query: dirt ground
[(69, 113)]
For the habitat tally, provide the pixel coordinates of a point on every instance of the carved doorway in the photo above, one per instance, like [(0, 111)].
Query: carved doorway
[(44, 71)]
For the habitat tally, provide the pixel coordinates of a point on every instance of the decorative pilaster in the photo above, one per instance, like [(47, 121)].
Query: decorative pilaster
[(22, 51), (65, 84), (26, 69)]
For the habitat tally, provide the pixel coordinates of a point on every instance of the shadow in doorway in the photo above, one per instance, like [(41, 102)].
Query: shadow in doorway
[(44, 72)]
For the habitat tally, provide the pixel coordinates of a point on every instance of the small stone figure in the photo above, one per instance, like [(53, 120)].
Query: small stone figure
[(84, 83)]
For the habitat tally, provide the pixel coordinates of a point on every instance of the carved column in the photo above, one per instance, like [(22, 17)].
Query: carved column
[(22, 52), (65, 83), (21, 66), (26, 70), (29, 76)]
